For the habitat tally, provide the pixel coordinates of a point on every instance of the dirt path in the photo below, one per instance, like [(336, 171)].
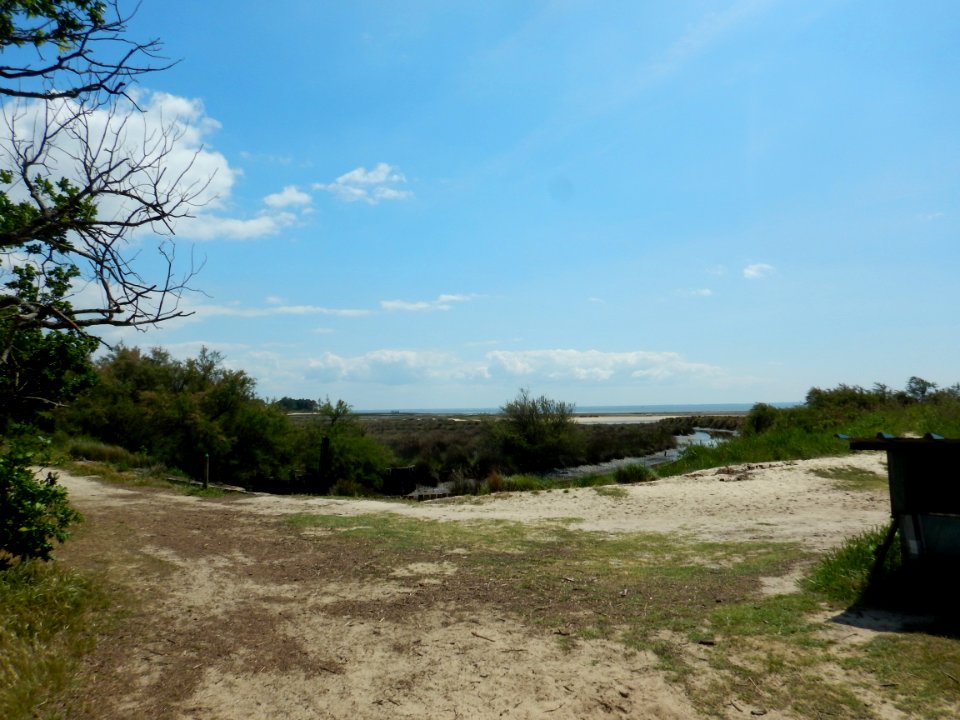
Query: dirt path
[(240, 615)]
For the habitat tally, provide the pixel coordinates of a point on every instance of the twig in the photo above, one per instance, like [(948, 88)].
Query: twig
[(950, 676), (482, 637), (735, 706)]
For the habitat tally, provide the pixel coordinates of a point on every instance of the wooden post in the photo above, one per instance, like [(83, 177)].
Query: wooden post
[(206, 471)]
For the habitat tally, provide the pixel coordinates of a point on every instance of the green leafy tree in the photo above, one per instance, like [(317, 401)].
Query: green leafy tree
[(182, 412), (918, 388), (41, 369), (344, 456)]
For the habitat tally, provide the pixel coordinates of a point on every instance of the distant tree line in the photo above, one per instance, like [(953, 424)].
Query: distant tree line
[(288, 404)]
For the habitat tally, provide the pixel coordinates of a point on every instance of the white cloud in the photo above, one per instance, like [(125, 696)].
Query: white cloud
[(290, 195), (699, 292), (169, 136), (210, 227), (395, 367), (369, 186), (596, 365), (757, 270), (443, 302)]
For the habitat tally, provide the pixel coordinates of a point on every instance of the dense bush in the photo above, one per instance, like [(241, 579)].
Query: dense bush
[(35, 513)]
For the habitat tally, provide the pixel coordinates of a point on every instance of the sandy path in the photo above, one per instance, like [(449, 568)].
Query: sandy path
[(243, 621), (770, 501)]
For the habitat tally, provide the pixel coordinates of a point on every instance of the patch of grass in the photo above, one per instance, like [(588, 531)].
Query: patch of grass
[(852, 478), (922, 671), (621, 586), (843, 576), (793, 443), (634, 474), (155, 476), (688, 602), (780, 615), (610, 491), (48, 620), (89, 449)]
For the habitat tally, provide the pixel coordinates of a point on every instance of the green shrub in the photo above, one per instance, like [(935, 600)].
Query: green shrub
[(760, 418), (536, 434), (522, 483), (34, 512), (634, 474)]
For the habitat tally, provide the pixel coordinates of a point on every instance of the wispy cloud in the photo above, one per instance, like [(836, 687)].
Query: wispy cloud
[(443, 302), (757, 270), (206, 311), (712, 28), (383, 182)]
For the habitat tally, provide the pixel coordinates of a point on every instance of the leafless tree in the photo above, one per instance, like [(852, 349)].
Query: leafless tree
[(90, 191)]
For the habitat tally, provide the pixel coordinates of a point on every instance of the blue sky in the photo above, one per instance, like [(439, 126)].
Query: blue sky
[(433, 204)]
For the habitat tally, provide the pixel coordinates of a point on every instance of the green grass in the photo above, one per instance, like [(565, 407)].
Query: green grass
[(771, 446), (611, 491), (852, 478), (925, 674), (49, 617), (844, 575), (155, 476)]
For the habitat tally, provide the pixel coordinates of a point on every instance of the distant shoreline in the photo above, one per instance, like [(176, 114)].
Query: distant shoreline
[(629, 411), (613, 417)]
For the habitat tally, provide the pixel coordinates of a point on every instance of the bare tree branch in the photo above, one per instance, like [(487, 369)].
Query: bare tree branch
[(86, 183)]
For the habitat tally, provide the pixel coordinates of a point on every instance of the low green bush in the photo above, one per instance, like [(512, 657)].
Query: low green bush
[(634, 474)]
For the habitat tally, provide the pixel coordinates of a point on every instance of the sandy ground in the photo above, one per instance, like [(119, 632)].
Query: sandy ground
[(238, 620)]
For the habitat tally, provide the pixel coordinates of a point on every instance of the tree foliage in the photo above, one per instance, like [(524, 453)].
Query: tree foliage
[(338, 455), (843, 407), (35, 512), (182, 412)]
